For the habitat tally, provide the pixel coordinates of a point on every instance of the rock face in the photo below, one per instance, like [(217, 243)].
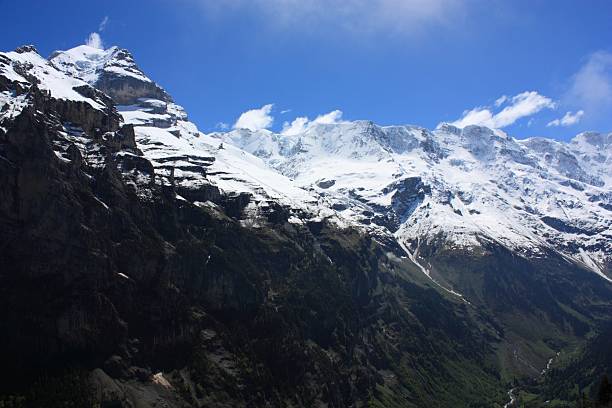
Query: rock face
[(144, 263), (107, 271), (97, 276)]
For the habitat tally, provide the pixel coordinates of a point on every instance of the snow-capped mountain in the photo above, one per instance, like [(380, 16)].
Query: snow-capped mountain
[(369, 255), (458, 186), (167, 137), (25, 65), (452, 187), (113, 70)]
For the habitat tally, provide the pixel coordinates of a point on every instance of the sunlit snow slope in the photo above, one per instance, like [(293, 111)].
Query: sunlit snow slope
[(461, 186)]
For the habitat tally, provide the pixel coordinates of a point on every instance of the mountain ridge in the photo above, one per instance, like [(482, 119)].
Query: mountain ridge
[(415, 229), (373, 152)]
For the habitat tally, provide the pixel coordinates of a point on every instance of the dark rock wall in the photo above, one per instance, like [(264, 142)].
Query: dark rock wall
[(97, 275)]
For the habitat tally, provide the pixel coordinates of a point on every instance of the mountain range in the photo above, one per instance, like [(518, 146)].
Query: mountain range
[(341, 264)]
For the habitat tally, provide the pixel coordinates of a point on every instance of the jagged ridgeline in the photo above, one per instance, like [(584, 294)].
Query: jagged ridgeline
[(143, 262)]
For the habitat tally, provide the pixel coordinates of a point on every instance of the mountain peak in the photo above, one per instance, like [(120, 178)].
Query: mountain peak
[(25, 67), (112, 70), (90, 63), (26, 48), (448, 128), (596, 139)]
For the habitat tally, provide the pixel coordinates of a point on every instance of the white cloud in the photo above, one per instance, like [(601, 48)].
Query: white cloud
[(334, 116), (255, 119), (568, 119), (302, 123), (519, 106), (299, 125), (476, 116), (222, 126), (396, 16), (522, 105), (94, 40), (102, 24), (591, 87), (500, 101)]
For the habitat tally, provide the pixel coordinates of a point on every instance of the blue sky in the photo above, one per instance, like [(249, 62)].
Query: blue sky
[(532, 68)]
